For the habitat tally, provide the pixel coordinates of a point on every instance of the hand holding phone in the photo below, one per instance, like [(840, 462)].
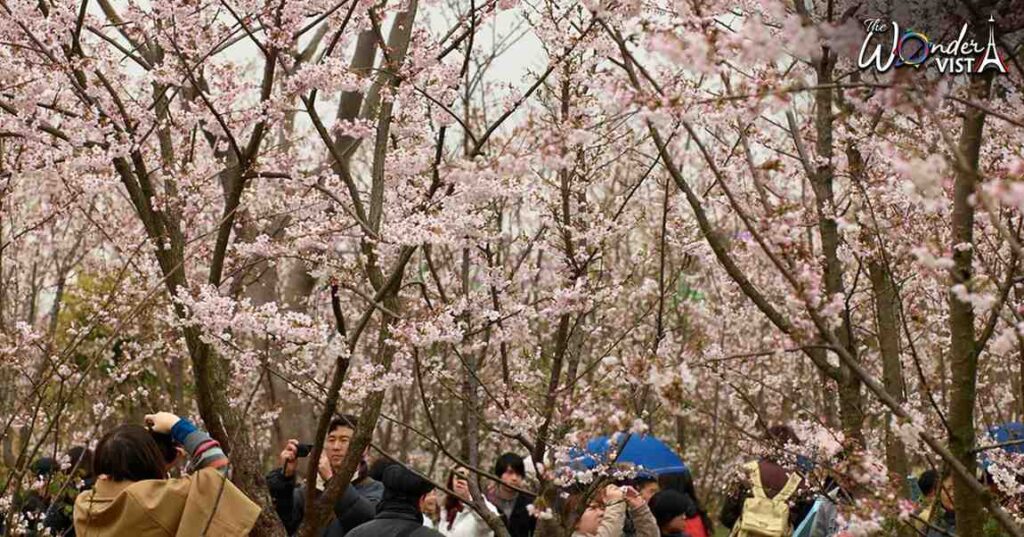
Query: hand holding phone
[(633, 497), (289, 457), (460, 485), (303, 450)]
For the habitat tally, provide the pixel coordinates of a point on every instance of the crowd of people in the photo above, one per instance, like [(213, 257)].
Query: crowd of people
[(122, 487)]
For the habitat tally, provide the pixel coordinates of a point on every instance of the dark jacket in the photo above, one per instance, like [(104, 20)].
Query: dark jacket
[(356, 506), (773, 479), (519, 522), (943, 525), (59, 517), (395, 519)]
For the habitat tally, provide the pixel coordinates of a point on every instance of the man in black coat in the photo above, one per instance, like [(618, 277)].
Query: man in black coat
[(355, 507), (400, 513), (512, 505)]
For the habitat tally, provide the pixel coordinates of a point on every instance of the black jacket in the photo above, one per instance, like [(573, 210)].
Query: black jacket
[(355, 507), (59, 519), (519, 522), (395, 519)]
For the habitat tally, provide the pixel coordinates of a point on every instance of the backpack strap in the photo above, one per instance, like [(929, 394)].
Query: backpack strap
[(754, 469), (804, 529), (791, 485)]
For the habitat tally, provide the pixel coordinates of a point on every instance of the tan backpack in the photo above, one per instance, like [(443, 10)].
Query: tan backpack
[(763, 516)]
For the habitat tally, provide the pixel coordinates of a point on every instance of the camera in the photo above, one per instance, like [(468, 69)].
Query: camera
[(167, 445), (303, 450)]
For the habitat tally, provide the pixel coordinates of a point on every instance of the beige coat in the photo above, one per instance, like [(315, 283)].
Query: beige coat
[(644, 522), (615, 517), (204, 503)]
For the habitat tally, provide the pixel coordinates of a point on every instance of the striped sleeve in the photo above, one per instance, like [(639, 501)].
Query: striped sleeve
[(204, 451)]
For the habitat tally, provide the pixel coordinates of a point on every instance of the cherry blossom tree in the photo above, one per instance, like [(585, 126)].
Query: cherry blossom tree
[(690, 219)]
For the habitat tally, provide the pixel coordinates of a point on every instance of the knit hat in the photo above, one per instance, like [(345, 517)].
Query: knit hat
[(401, 483), (668, 504)]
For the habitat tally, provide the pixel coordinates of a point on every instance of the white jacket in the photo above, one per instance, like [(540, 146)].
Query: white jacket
[(467, 523)]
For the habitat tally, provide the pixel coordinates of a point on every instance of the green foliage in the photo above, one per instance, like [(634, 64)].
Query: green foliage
[(992, 529), (684, 292)]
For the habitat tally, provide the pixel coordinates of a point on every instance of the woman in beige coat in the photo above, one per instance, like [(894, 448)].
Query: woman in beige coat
[(133, 496), (606, 516)]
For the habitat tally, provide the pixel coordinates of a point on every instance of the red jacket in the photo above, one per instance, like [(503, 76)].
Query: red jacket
[(694, 527)]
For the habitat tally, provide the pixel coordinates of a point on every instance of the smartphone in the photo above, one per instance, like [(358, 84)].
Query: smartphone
[(303, 450)]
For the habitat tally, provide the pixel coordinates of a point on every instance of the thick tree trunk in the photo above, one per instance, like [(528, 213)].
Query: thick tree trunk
[(299, 416), (230, 429), (887, 328), (970, 517)]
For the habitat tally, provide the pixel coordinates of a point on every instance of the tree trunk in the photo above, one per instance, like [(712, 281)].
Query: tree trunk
[(851, 408), (1020, 381), (209, 370), (299, 418), (887, 327), (319, 513), (681, 436), (970, 517), (826, 395)]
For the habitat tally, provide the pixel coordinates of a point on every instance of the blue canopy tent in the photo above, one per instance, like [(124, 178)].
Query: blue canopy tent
[(643, 451), (1009, 432)]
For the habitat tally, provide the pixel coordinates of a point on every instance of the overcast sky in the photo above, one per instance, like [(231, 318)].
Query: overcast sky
[(512, 67)]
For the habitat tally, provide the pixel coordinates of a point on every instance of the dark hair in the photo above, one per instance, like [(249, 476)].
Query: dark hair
[(404, 485), (343, 420), (166, 445), (376, 469), (927, 481), (45, 466), (451, 501), (510, 461), (643, 479), (780, 435), (683, 482), (80, 459), (128, 453), (668, 504), (573, 501)]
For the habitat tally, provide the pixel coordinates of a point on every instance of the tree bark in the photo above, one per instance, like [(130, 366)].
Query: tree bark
[(681, 434), (319, 513), (970, 517), (887, 328), (851, 407), (296, 288), (386, 290), (1020, 379), (973, 486)]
